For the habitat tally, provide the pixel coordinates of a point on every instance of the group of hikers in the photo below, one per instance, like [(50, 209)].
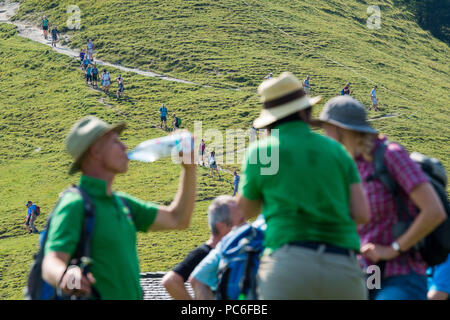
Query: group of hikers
[(88, 66), (176, 121), (325, 216), (91, 72)]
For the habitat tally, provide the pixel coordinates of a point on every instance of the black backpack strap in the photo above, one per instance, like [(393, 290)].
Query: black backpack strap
[(82, 254), (221, 291), (382, 173)]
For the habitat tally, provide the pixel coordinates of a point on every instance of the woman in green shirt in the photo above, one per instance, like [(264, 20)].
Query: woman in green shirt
[(311, 197)]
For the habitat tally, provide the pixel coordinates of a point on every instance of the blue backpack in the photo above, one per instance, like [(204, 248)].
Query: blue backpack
[(240, 253), (37, 288)]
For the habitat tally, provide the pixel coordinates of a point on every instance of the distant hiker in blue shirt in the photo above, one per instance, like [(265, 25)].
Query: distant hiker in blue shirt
[(31, 217), (439, 281), (94, 75), (54, 36), (306, 85), (90, 49), (235, 183), (86, 62), (121, 87), (373, 97), (82, 55), (45, 24), (163, 115), (89, 75)]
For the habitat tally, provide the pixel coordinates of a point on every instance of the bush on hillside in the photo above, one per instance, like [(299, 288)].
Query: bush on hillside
[(7, 30)]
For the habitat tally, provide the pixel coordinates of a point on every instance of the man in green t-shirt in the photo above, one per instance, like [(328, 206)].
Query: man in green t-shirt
[(114, 273), (311, 199)]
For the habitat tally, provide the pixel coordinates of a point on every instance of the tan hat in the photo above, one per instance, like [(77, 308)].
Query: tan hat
[(83, 134), (281, 97)]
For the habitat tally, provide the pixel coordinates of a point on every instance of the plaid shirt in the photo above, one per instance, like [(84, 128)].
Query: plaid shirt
[(384, 210)]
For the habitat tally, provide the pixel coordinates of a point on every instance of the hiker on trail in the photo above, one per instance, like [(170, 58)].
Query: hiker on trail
[(373, 97), (223, 215), (120, 88), (207, 279), (176, 122), (385, 240), (100, 155), (106, 81), (253, 134), (304, 257), (306, 85), (82, 56), (89, 74), (45, 24), (346, 90), (201, 151), (54, 36), (94, 75), (439, 281), (86, 62), (163, 116), (269, 76), (235, 183), (213, 164), (31, 217), (90, 49)]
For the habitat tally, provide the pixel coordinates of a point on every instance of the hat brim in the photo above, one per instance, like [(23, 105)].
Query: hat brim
[(269, 116), (118, 127), (365, 129)]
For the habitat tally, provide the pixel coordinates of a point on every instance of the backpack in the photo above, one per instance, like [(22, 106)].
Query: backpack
[(178, 121), (38, 210), (240, 254), (342, 92), (435, 247), (37, 288)]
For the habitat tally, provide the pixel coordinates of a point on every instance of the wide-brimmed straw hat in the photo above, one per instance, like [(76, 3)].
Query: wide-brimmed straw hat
[(281, 97), (345, 112), (83, 134)]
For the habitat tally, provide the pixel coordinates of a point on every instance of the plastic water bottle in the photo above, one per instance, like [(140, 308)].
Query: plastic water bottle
[(171, 145)]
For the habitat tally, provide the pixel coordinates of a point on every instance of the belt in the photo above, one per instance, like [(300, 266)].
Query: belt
[(328, 247)]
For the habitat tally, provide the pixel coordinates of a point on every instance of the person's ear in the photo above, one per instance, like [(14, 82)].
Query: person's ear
[(222, 228)]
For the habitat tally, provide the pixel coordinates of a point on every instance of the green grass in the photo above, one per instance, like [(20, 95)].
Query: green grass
[(219, 43)]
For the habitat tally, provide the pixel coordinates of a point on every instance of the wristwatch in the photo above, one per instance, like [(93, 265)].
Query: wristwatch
[(396, 246)]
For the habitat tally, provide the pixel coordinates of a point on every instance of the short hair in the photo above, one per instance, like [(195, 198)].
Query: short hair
[(219, 211)]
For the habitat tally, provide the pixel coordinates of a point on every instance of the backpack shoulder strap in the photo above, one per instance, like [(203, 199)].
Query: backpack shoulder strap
[(83, 251), (382, 173)]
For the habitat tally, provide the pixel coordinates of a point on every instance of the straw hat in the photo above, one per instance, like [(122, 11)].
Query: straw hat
[(282, 97), (83, 134)]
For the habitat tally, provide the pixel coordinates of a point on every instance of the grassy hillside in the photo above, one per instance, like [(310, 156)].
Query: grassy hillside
[(232, 43), (44, 96), (237, 42)]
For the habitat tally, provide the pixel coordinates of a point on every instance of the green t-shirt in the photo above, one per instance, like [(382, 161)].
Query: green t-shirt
[(113, 247), (305, 194)]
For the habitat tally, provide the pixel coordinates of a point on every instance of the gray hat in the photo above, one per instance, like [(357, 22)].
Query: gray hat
[(346, 112), (83, 134)]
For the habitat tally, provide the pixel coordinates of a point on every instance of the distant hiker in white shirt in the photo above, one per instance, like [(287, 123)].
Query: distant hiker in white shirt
[(269, 76), (373, 96)]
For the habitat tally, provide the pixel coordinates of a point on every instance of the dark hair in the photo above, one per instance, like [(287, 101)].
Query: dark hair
[(293, 117)]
